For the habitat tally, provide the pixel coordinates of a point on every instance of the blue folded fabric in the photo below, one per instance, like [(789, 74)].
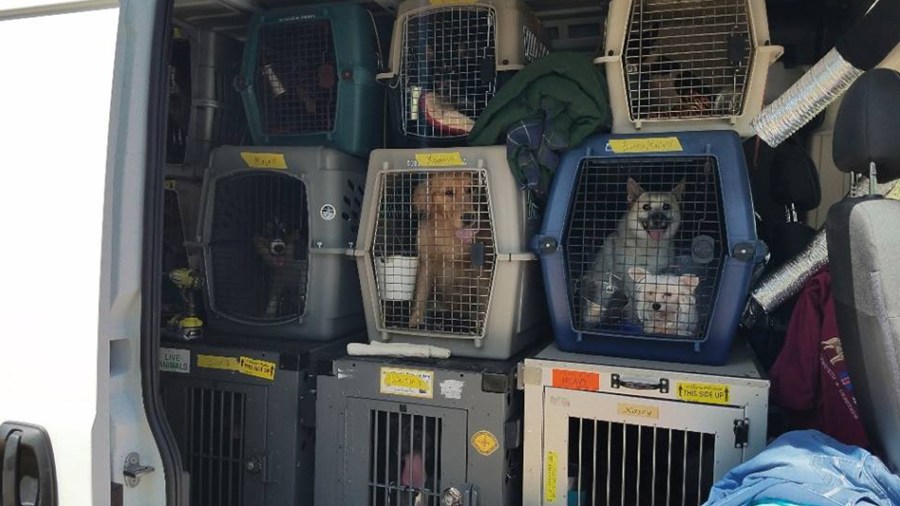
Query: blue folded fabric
[(808, 468)]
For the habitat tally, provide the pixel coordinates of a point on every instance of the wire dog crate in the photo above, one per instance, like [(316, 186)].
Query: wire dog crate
[(442, 234), (676, 65), (448, 60), (277, 231), (648, 246), (423, 433), (204, 109), (308, 78), (603, 431), (244, 419)]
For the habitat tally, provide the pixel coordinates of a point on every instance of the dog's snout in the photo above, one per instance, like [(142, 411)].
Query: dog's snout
[(656, 306), (469, 219), (659, 218)]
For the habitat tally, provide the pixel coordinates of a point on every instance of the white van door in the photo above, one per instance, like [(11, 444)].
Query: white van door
[(74, 88)]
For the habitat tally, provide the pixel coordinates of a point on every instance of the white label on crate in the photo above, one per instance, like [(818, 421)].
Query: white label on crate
[(452, 389), (407, 382), (174, 360), (327, 212)]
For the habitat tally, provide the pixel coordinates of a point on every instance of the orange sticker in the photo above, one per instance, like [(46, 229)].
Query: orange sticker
[(576, 380)]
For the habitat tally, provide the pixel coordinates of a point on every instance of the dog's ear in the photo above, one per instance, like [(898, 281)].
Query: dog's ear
[(420, 197), (634, 190), (638, 274), (678, 191), (689, 280)]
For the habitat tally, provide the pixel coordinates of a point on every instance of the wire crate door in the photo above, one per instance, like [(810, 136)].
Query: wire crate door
[(221, 438), (403, 454), (603, 449)]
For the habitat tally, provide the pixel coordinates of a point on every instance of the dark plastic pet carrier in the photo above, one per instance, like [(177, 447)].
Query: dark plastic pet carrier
[(244, 419), (648, 246), (277, 228), (447, 61), (308, 78)]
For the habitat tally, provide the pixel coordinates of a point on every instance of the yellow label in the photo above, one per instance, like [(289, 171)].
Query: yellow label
[(216, 362), (407, 382), (484, 442), (243, 365), (895, 192), (639, 411), (550, 480), (257, 368), (452, 2), (264, 160), (450, 159), (645, 145), (169, 184), (705, 393)]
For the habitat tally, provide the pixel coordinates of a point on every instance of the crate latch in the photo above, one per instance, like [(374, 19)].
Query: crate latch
[(741, 433)]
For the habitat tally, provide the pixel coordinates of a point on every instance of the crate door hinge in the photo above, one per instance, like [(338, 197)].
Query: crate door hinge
[(134, 470), (741, 433)]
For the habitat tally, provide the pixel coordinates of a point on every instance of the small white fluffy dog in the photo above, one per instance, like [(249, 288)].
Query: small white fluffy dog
[(665, 304)]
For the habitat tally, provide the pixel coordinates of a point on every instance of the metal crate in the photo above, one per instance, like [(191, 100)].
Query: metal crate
[(204, 108), (243, 417), (448, 60), (687, 65), (648, 246), (308, 78), (276, 233), (416, 432), (605, 431), (443, 254)]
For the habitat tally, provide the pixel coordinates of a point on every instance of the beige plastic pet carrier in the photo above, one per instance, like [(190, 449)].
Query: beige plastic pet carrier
[(443, 252), (604, 431), (686, 64), (448, 59)]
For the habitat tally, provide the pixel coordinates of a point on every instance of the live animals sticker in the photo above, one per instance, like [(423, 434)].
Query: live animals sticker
[(645, 145), (174, 360), (703, 393), (484, 442), (264, 160), (407, 382)]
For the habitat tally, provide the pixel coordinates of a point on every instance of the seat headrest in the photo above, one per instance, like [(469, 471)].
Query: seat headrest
[(867, 128)]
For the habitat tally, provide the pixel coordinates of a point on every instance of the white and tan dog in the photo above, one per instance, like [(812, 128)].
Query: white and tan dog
[(665, 304)]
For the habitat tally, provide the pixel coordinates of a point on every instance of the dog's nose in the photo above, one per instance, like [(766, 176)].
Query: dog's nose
[(277, 247), (469, 219), (659, 218), (656, 306)]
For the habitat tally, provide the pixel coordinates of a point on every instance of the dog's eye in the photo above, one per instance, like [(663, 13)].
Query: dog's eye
[(667, 294), (666, 207), (647, 207), (448, 192)]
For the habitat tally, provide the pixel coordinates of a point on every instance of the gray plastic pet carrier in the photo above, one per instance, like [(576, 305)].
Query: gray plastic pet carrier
[(686, 65), (448, 59), (244, 419), (425, 433), (277, 234), (205, 110), (443, 255), (604, 431)]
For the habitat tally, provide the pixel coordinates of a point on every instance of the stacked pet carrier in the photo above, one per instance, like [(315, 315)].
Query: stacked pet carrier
[(447, 61)]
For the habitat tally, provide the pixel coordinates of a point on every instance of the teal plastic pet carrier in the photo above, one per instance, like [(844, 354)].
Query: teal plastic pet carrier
[(308, 78)]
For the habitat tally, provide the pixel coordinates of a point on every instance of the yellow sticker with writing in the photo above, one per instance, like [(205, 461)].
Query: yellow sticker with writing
[(217, 362), (550, 480), (264, 160), (407, 382), (484, 442), (704, 393), (257, 368), (448, 159), (170, 184), (638, 410), (894, 193), (645, 145)]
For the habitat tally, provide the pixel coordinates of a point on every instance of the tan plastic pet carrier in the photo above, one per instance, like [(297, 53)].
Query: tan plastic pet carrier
[(449, 58), (686, 64), (443, 254)]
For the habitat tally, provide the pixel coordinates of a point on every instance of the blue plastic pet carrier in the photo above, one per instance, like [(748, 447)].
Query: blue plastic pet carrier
[(649, 245), (308, 78)]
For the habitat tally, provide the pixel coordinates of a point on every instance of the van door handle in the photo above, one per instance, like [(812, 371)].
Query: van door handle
[(28, 475)]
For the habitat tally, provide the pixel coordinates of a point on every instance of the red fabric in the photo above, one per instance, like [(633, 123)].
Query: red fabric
[(809, 377)]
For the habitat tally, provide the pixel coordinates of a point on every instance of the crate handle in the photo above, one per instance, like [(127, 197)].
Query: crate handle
[(618, 382)]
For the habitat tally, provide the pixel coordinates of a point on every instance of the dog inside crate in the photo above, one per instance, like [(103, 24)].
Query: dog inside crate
[(644, 245), (434, 251), (687, 59), (448, 73), (613, 463), (405, 459), (297, 77), (259, 246)]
